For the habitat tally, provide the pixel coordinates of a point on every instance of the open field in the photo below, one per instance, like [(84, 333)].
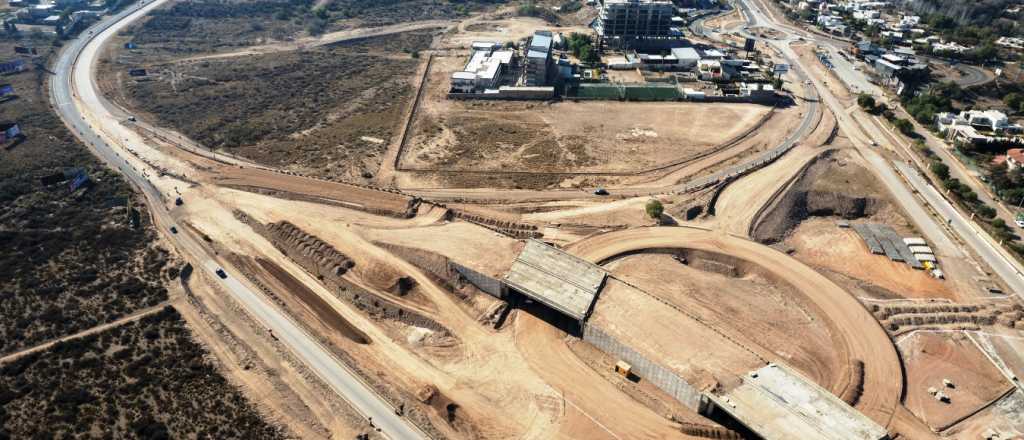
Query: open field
[(328, 111), (565, 136), (756, 311), (930, 358), (71, 261), (185, 28), (145, 379), (501, 28)]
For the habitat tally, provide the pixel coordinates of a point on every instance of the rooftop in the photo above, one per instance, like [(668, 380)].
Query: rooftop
[(777, 403), (555, 278)]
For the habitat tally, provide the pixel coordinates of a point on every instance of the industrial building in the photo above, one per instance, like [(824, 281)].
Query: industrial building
[(776, 403), (638, 24), (538, 59), (556, 279)]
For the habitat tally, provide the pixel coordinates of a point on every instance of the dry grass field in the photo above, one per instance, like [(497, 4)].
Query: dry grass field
[(146, 379), (329, 111), (70, 260)]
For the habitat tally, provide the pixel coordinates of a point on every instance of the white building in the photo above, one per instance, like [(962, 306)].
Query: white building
[(687, 57), (977, 126), (991, 120), (951, 46), (1011, 42), (483, 71)]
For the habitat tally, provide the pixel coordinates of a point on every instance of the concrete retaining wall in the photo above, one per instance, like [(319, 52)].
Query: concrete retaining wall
[(661, 377), (489, 285)]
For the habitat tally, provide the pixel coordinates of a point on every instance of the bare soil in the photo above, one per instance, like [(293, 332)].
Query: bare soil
[(932, 357), (564, 136), (745, 306)]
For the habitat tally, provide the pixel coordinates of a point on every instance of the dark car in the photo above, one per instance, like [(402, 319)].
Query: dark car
[(222, 274), (174, 230), (178, 201), (601, 192)]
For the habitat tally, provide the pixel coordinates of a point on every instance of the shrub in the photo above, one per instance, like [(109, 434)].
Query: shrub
[(904, 126), (654, 209), (866, 102), (941, 170)]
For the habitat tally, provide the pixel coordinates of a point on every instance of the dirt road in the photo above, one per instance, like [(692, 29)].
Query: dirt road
[(326, 39)]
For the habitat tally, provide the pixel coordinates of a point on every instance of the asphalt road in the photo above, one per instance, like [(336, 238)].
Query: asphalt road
[(77, 62), (973, 236), (979, 242)]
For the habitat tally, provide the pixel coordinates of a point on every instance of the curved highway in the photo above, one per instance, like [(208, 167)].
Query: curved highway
[(860, 335), (73, 94)]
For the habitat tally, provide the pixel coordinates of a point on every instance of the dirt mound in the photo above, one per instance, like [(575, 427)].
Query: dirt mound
[(322, 256), (830, 186), (900, 318)]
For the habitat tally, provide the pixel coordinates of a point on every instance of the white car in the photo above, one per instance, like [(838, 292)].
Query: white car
[(1020, 223)]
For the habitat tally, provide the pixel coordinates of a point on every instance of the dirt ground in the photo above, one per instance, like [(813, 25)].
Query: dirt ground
[(755, 309), (699, 354), (834, 84), (820, 243), (463, 242), (564, 136), (931, 357), (503, 29)]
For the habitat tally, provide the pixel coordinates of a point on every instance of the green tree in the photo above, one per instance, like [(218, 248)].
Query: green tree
[(654, 209), (941, 170), (866, 102), (904, 126), (1013, 100)]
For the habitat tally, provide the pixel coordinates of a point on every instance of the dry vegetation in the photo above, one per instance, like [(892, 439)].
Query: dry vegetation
[(145, 379), (329, 111), (201, 26), (70, 261), (384, 12)]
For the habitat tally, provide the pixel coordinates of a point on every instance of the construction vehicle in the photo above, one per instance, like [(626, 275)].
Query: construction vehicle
[(623, 369)]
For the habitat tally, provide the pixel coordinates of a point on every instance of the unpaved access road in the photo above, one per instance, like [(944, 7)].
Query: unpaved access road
[(326, 39), (859, 334)]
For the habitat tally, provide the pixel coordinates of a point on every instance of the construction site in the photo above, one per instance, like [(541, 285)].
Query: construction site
[(559, 268)]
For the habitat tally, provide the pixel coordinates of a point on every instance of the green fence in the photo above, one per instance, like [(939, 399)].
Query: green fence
[(626, 92)]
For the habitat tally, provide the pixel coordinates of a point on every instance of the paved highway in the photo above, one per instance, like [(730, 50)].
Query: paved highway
[(76, 63), (862, 134)]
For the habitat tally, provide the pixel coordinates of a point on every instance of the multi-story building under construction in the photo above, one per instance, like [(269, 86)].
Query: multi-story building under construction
[(637, 24)]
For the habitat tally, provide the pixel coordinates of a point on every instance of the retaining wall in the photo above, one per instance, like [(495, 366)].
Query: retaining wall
[(657, 375), (489, 285)]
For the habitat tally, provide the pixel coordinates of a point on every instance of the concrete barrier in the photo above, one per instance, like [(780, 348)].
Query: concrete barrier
[(489, 285), (659, 376)]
